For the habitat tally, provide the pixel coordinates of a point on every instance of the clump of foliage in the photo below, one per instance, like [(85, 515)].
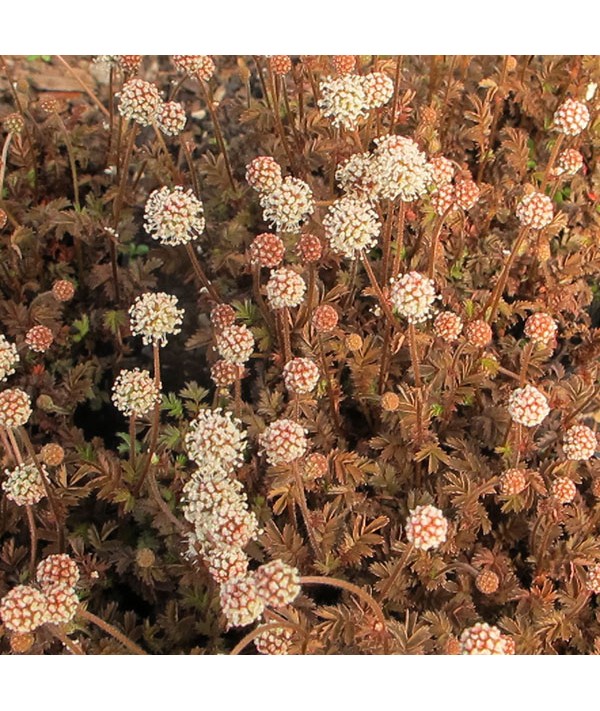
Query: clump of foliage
[(299, 355)]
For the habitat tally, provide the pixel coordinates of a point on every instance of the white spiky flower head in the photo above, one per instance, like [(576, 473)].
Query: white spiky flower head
[(344, 100), (135, 392), (215, 441), (412, 295), (174, 216), (8, 358), (351, 226), (154, 316), (402, 169), (288, 205)]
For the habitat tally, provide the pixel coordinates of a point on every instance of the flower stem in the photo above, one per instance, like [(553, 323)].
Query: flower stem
[(499, 288), (553, 156), (354, 589), (84, 86), (218, 133), (112, 631), (33, 536), (304, 510), (201, 276)]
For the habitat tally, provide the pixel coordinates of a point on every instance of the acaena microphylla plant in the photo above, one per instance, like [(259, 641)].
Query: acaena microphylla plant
[(272, 324)]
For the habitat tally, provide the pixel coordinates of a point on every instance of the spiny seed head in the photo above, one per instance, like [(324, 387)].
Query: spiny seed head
[(240, 601), (487, 582), (309, 248), (378, 88), (215, 441), (467, 193), (353, 342), (563, 490), (412, 295), (13, 123), (39, 338), (482, 638), (52, 454), (135, 392), (344, 100), (57, 569), (283, 442), (426, 527), (15, 408), (174, 216), (226, 562), (448, 326), (513, 482), (442, 170), (21, 642), (541, 328), (24, 484), (264, 174), (570, 161), (301, 375), (171, 118), (154, 316), (63, 290), (580, 443), (277, 583), (593, 579), (528, 406), (224, 374), (351, 226), (139, 101), (61, 602), (235, 343), (344, 63), (314, 466), (145, 558), (572, 117), (274, 641), (8, 358), (535, 211), (325, 318), (285, 288), (23, 609), (478, 333), (200, 65), (390, 401), (289, 205), (266, 250), (280, 64)]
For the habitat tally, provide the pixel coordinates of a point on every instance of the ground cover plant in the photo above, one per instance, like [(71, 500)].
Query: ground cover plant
[(299, 355)]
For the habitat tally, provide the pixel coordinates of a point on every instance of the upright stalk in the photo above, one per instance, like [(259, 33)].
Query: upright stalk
[(553, 156), (304, 511), (218, 133), (499, 288)]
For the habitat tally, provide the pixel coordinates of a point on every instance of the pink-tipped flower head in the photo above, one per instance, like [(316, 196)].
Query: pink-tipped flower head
[(412, 295), (283, 442), (528, 406), (426, 527)]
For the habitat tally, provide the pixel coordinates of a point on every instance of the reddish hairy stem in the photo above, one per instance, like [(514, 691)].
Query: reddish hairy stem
[(112, 631)]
